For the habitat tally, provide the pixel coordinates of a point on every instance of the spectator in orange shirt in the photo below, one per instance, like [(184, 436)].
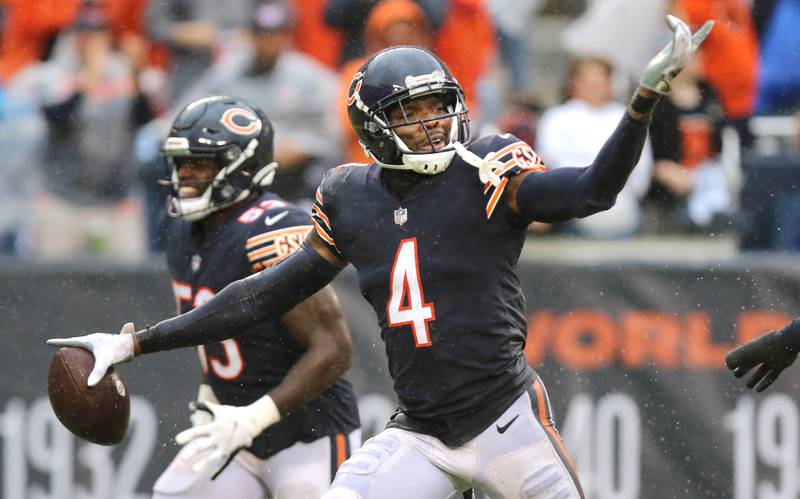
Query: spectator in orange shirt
[(468, 57), (391, 22), (351, 17), (313, 36), (729, 55)]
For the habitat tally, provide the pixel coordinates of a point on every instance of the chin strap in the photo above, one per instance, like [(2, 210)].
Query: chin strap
[(265, 176), (486, 167)]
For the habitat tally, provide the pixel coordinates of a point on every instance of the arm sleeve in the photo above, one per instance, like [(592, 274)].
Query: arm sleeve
[(243, 304), (566, 193)]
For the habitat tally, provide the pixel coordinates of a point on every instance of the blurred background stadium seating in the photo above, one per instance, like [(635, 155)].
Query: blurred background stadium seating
[(87, 88)]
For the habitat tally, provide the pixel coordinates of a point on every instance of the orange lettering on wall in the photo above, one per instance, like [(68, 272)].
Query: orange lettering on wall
[(650, 336), (585, 339), (753, 324), (701, 351), (540, 329)]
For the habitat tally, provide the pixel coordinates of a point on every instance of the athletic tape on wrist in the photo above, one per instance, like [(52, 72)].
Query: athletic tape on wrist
[(643, 106)]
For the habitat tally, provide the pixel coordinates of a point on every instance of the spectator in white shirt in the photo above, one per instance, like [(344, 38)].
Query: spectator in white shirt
[(572, 134)]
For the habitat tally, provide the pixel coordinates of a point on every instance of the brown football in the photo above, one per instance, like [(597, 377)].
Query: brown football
[(99, 414)]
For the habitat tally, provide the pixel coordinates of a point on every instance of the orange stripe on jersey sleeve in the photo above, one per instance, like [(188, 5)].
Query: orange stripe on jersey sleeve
[(255, 255), (325, 237), (535, 168), (495, 198), (315, 210), (267, 236), (507, 149), (273, 247)]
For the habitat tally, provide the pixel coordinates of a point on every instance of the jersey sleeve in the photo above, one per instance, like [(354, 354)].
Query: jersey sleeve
[(321, 211), (277, 235), (513, 156)]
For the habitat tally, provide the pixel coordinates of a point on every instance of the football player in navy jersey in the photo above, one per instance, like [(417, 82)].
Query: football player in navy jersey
[(226, 225), (435, 245)]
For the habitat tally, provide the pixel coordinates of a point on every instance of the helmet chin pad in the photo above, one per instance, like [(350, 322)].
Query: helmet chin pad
[(431, 163), (425, 164), (199, 207)]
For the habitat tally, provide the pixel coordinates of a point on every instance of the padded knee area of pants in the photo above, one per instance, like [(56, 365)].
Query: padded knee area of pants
[(390, 465), (533, 472), (372, 455), (547, 482)]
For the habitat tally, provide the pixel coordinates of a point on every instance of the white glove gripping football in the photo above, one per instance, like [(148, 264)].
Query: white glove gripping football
[(673, 58), (486, 167), (202, 416), (107, 349), (212, 446)]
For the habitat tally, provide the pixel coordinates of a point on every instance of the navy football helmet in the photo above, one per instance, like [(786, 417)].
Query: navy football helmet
[(238, 137), (391, 78)]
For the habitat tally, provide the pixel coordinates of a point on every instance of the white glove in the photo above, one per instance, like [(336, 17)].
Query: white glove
[(108, 349), (202, 416), (213, 445), (673, 58), (486, 167)]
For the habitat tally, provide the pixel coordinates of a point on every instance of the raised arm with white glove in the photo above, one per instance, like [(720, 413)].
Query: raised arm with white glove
[(579, 191)]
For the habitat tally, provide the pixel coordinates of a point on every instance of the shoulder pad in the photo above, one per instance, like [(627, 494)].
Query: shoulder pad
[(512, 156), (339, 174), (513, 152), (278, 231), (321, 211), (257, 211)]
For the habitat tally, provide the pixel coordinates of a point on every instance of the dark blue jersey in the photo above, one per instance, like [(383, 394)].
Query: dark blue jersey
[(259, 233), (439, 268)]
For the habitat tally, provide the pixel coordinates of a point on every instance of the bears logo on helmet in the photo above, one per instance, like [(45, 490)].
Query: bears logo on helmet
[(229, 121)]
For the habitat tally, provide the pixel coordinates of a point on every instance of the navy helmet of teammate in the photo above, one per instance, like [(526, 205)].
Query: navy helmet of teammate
[(435, 247), (225, 226), (225, 134)]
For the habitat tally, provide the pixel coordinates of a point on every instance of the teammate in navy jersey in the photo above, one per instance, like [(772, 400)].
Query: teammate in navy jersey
[(435, 245), (225, 226)]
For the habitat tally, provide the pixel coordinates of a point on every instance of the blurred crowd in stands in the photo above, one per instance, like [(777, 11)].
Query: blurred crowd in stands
[(88, 89)]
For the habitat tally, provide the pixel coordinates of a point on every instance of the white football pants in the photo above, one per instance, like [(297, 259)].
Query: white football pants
[(303, 471), (518, 456)]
